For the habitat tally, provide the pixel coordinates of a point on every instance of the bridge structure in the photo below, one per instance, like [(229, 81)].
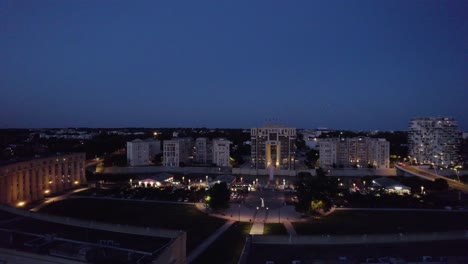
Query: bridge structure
[(403, 169)]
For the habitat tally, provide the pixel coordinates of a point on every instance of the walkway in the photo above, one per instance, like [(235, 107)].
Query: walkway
[(257, 228), (203, 246), (290, 228), (57, 198)]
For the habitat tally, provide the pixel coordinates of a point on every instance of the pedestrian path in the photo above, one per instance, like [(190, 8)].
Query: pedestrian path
[(257, 228), (290, 228), (203, 246)]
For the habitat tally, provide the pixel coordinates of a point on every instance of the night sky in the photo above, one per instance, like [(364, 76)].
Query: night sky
[(234, 64)]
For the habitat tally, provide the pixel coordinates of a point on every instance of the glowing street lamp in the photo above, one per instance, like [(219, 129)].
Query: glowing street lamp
[(422, 189)]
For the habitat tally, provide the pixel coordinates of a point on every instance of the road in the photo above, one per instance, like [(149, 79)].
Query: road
[(424, 174), (57, 198)]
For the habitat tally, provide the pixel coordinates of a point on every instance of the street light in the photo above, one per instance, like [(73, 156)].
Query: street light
[(206, 179), (422, 189), (239, 212), (183, 178)]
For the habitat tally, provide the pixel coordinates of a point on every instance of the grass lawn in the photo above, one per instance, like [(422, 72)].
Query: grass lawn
[(372, 222), (228, 247), (274, 229), (161, 215)]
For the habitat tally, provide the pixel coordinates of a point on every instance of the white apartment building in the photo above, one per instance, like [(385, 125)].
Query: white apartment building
[(203, 151), (177, 151), (434, 140), (328, 152), (137, 153), (361, 151), (221, 152), (171, 153), (154, 147)]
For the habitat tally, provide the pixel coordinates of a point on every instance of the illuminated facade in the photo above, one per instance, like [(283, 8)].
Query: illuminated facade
[(273, 145), (434, 140), (31, 180), (359, 151)]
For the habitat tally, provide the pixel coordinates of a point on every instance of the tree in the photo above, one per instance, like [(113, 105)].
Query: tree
[(219, 196), (315, 192), (440, 185)]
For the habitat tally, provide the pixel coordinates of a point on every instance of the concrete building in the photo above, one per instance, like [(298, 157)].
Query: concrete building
[(30, 180), (221, 152), (137, 153), (273, 145), (154, 147), (434, 140), (203, 151), (359, 151), (171, 153), (177, 151)]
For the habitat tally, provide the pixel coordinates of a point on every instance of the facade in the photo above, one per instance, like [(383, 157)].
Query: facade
[(137, 153), (31, 180), (154, 147), (434, 140), (185, 149), (359, 151), (177, 151), (221, 152), (171, 153), (273, 145), (203, 151)]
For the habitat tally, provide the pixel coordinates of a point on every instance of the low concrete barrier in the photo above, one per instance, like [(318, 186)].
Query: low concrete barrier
[(359, 239)]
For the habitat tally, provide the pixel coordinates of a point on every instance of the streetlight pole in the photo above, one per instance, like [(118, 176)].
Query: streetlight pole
[(239, 212)]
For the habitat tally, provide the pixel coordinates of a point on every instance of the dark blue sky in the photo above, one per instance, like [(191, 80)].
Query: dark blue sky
[(337, 64)]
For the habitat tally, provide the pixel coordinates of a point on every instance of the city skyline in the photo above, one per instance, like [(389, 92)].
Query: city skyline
[(342, 65)]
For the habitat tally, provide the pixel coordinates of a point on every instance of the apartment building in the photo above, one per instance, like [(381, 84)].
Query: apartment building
[(221, 152), (177, 151), (33, 179), (203, 151), (359, 151), (137, 153), (434, 140)]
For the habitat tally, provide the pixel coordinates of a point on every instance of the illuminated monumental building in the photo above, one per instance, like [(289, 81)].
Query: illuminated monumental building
[(434, 140), (273, 147), (359, 151), (31, 180)]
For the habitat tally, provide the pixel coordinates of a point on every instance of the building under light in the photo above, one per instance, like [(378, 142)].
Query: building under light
[(273, 145), (30, 180), (434, 140), (359, 151)]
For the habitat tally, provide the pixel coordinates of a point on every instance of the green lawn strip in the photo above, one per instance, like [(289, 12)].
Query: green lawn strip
[(374, 222), (274, 229), (198, 225), (228, 247)]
